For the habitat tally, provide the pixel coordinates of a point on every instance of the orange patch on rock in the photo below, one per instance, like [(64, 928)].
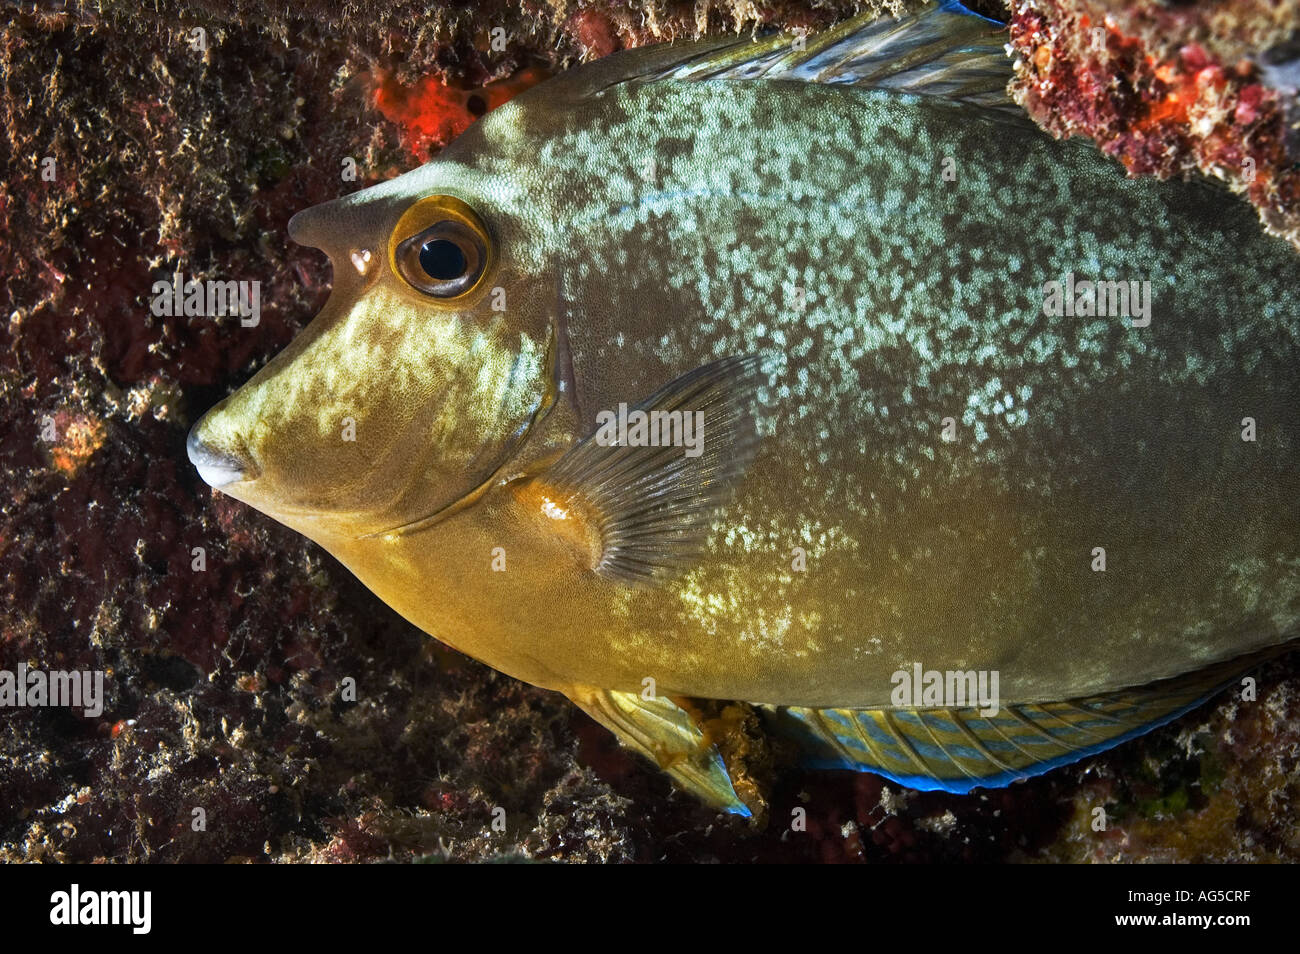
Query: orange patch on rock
[(80, 435), (431, 114)]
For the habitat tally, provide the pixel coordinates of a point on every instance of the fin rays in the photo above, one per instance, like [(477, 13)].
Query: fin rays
[(943, 51), (653, 507), (664, 732), (958, 749)]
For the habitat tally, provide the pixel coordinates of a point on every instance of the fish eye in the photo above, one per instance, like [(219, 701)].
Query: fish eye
[(440, 247), (444, 260)]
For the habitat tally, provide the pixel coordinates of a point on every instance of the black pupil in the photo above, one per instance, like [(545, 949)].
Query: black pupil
[(442, 259)]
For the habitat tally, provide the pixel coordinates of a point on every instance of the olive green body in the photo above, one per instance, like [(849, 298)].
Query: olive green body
[(889, 254), (677, 223)]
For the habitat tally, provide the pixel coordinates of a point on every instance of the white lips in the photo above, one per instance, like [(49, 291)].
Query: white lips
[(216, 474), (216, 469)]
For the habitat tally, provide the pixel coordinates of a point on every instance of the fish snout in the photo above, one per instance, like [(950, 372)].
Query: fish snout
[(219, 467), (304, 228), (322, 226)]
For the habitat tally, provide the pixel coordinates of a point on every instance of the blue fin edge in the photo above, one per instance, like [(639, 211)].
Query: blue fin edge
[(956, 6), (926, 783)]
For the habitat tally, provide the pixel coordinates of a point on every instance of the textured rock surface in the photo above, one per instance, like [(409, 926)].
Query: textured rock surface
[(1169, 89), (225, 685)]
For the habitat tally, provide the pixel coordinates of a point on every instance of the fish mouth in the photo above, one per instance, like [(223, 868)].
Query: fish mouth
[(218, 467)]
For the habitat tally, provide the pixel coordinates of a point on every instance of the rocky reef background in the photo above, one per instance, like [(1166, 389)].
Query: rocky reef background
[(223, 690)]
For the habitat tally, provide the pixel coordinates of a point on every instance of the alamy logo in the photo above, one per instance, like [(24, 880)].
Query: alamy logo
[(950, 689), (103, 907), (211, 299), (35, 687), (637, 428), (1086, 299)]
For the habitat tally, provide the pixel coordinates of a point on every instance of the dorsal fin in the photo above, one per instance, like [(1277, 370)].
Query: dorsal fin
[(944, 51)]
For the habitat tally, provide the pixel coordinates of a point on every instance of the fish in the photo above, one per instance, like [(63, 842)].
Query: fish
[(800, 388)]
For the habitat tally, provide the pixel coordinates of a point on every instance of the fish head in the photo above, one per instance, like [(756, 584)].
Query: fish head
[(421, 376)]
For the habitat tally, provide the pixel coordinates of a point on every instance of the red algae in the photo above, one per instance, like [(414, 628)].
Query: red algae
[(430, 113)]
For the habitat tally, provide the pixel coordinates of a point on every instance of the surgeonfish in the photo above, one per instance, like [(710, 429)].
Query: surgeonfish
[(810, 378)]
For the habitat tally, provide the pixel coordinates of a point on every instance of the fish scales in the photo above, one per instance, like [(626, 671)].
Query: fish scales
[(924, 301)]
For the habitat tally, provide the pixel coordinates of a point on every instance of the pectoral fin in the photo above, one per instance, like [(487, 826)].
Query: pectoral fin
[(958, 749), (645, 512), (669, 736)]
